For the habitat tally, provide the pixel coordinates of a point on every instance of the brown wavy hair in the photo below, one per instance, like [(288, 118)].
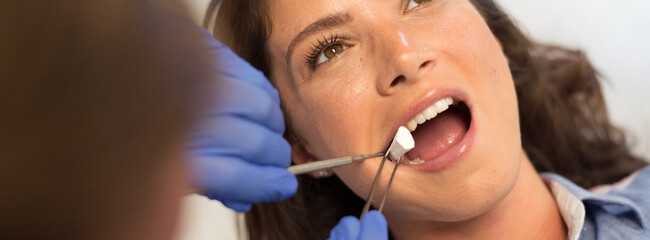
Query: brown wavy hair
[(565, 127)]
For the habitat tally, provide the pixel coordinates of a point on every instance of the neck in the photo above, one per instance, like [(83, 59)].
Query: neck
[(529, 211)]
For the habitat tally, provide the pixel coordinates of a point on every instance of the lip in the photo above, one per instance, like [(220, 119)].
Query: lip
[(454, 153)]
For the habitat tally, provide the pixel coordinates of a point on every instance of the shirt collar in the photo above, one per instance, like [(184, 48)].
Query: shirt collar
[(613, 204), (570, 207)]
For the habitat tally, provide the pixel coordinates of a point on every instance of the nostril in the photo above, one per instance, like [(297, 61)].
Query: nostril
[(398, 79)]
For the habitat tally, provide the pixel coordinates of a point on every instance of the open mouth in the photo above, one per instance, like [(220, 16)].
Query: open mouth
[(437, 129)]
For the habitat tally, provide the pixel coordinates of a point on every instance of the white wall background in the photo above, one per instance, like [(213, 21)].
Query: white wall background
[(614, 34), (616, 37)]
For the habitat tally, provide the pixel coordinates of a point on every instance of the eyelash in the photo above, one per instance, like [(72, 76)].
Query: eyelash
[(317, 49)]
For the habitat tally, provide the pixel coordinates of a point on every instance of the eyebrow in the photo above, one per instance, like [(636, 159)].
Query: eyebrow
[(324, 23)]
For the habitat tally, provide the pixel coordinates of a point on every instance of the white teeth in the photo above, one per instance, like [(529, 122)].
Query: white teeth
[(415, 161), (412, 125), (441, 105), (429, 113), (420, 118)]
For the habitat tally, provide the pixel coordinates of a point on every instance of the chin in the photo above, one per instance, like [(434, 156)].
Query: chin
[(466, 190)]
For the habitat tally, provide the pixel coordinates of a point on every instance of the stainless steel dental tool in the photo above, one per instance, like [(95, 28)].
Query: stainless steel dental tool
[(402, 143), (329, 164)]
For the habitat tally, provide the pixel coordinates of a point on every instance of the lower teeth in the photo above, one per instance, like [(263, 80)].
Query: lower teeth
[(415, 161)]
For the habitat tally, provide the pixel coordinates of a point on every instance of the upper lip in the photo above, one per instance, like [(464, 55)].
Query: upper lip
[(430, 98)]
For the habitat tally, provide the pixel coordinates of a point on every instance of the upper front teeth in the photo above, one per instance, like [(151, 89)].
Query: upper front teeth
[(429, 113)]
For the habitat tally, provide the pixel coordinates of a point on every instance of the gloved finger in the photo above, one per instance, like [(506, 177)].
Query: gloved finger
[(373, 226), (238, 206), (231, 65), (244, 139), (346, 229), (231, 179), (232, 96)]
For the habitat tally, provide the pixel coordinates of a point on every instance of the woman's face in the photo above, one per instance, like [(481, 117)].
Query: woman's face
[(351, 72)]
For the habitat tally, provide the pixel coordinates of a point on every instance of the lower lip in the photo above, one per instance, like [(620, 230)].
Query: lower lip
[(450, 156)]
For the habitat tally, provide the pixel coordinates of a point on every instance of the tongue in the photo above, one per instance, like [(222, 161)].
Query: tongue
[(438, 135)]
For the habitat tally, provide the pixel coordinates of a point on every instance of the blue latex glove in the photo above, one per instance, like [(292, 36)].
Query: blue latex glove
[(372, 227), (239, 154)]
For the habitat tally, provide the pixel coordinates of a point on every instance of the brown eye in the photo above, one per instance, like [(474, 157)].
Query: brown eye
[(415, 3), (330, 52)]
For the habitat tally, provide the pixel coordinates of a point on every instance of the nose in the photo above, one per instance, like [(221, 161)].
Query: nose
[(405, 57)]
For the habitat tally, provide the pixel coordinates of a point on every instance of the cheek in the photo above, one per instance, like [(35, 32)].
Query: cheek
[(494, 91), (334, 111), (479, 55), (498, 146)]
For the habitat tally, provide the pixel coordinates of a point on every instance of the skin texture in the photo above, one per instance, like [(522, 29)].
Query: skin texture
[(352, 105)]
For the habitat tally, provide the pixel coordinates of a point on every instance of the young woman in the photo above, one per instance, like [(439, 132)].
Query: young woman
[(488, 109)]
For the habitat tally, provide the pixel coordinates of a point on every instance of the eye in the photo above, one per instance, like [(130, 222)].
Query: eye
[(415, 3), (326, 49), (330, 52)]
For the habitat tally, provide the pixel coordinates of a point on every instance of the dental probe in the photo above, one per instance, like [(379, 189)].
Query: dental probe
[(390, 181), (402, 143), (329, 164)]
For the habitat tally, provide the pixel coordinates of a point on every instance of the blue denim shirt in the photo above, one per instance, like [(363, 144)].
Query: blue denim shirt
[(618, 211)]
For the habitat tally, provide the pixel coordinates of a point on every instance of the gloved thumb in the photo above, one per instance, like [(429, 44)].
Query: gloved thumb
[(372, 227)]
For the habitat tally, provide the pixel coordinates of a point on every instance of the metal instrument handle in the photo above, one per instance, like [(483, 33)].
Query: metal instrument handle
[(328, 164)]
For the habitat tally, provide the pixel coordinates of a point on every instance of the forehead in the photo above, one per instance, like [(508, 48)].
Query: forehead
[(289, 17)]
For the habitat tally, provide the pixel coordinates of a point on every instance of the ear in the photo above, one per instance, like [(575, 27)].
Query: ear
[(301, 155)]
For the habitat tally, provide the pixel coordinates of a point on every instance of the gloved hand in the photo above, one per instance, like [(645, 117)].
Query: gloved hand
[(372, 227), (238, 151)]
